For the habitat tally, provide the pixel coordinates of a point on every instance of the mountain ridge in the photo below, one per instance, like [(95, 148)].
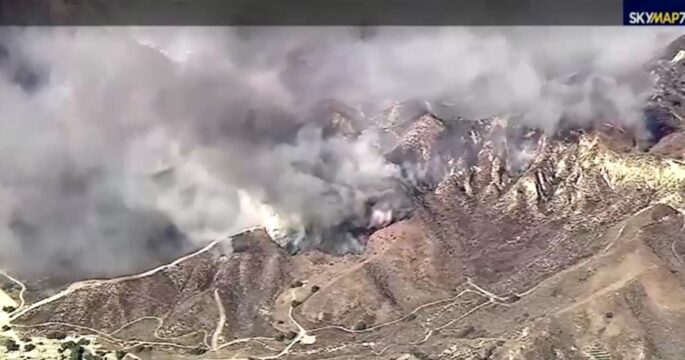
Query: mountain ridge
[(521, 245)]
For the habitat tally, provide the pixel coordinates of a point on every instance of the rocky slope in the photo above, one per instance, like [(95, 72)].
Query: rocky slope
[(522, 245)]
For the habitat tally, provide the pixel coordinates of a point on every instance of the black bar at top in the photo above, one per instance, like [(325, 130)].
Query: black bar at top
[(311, 12)]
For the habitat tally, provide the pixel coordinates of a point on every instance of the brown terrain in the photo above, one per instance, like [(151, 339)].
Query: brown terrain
[(526, 246)]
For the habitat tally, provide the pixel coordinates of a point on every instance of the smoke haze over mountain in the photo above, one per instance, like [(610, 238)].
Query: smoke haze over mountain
[(122, 147)]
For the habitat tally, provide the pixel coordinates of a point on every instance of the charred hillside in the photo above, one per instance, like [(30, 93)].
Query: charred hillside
[(507, 219), (509, 242)]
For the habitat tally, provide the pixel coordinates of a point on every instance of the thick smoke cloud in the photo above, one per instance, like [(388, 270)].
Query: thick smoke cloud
[(121, 147)]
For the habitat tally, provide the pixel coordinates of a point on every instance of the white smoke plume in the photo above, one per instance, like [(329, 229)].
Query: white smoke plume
[(120, 147)]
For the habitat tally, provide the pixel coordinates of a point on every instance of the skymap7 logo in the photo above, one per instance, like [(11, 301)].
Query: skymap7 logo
[(656, 18)]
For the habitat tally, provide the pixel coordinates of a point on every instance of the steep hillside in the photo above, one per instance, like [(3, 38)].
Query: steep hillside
[(521, 245)]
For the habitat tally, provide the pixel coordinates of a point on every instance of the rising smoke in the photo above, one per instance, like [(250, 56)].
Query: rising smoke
[(122, 147)]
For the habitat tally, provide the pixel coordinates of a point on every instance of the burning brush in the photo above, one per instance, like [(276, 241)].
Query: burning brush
[(349, 235)]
